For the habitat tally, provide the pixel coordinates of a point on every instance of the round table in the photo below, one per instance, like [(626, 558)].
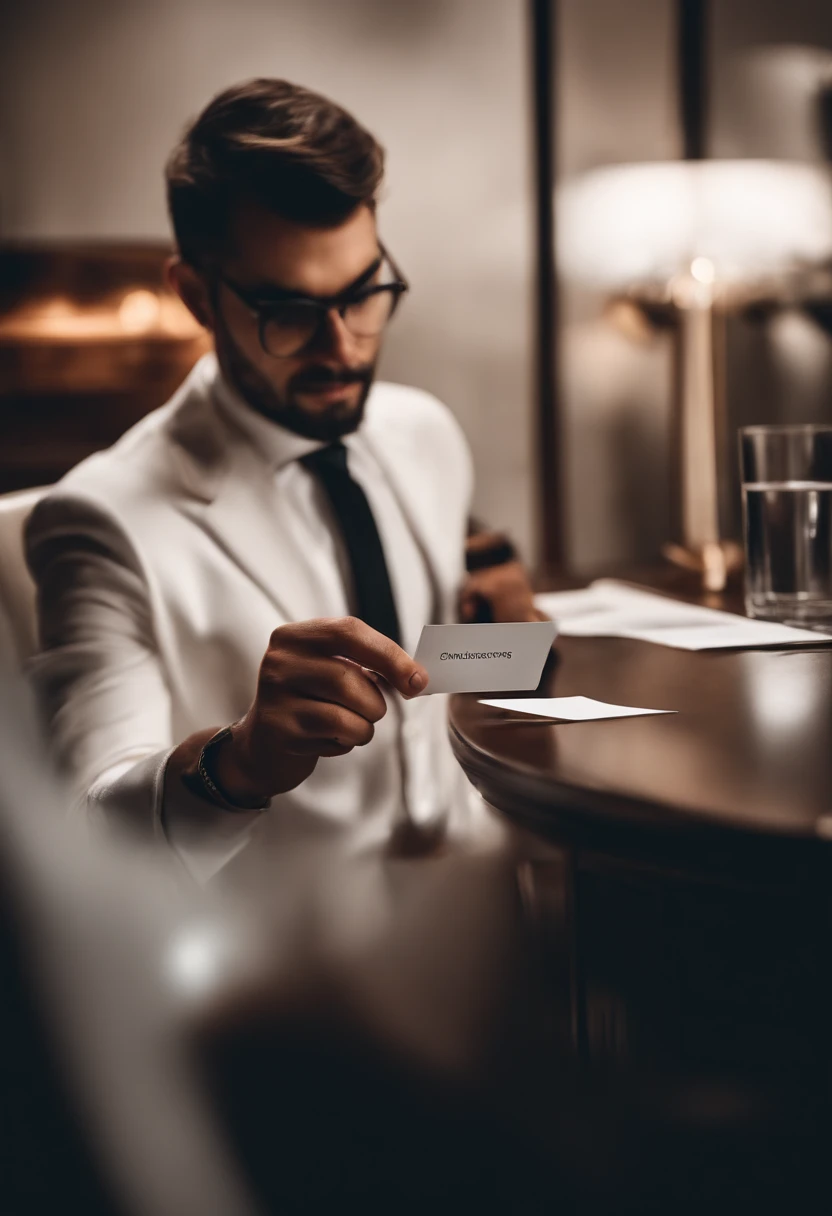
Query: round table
[(746, 756), (677, 869)]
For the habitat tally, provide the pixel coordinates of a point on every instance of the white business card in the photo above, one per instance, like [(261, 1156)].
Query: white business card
[(485, 658)]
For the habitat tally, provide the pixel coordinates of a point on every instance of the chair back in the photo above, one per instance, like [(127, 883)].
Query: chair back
[(17, 588)]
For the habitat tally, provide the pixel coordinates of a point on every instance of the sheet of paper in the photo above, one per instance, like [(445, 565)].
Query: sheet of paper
[(484, 658), (742, 635), (611, 609), (570, 709)]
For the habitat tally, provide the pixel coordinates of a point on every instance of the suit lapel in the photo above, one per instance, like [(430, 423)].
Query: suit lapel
[(230, 494)]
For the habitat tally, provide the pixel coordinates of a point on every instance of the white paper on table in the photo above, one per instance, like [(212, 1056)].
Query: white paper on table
[(611, 609), (737, 636), (570, 709)]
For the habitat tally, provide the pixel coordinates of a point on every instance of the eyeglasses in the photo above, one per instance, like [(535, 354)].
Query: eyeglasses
[(288, 322)]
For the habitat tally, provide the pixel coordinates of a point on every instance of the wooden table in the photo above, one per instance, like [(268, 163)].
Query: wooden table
[(677, 871)]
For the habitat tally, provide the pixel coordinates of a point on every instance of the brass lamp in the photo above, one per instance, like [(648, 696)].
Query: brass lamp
[(91, 339), (696, 237)]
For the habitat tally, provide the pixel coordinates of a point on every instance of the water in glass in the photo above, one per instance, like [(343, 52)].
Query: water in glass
[(788, 530)]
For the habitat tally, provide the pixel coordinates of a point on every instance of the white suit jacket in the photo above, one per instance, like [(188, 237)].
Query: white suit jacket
[(162, 570)]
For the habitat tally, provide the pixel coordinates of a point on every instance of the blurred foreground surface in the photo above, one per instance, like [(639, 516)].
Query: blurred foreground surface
[(377, 1033)]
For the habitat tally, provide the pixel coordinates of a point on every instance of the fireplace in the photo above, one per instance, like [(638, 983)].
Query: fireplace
[(91, 339)]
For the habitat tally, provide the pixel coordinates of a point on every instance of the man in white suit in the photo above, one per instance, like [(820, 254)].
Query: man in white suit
[(229, 596)]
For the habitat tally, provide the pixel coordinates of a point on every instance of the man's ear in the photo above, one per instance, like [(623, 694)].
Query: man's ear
[(192, 290)]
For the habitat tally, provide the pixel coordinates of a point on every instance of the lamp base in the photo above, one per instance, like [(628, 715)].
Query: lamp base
[(714, 561)]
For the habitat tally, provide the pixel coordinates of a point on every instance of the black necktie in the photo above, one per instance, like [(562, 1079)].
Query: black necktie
[(373, 592)]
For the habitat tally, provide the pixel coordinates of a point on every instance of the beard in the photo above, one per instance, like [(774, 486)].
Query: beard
[(337, 419)]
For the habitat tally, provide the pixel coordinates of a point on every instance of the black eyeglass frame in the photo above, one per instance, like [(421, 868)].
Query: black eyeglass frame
[(260, 308)]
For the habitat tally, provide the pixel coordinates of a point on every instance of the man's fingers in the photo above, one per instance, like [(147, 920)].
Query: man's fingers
[(332, 748), (321, 748), (355, 640), (321, 721), (342, 682)]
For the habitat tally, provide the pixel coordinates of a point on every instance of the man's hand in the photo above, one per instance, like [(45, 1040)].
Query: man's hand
[(317, 695), (505, 590)]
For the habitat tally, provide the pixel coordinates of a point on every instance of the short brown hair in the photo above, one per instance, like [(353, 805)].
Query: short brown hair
[(289, 149)]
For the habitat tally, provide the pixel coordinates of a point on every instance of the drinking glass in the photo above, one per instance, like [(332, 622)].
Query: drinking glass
[(787, 510)]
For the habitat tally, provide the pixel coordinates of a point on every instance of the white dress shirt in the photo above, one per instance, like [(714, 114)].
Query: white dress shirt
[(310, 526)]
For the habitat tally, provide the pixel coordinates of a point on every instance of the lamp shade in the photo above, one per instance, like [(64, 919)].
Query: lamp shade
[(621, 225)]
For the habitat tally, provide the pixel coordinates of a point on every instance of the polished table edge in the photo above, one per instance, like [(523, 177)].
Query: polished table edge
[(585, 815), (579, 819)]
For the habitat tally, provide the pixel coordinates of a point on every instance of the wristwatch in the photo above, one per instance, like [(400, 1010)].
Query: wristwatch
[(208, 782)]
